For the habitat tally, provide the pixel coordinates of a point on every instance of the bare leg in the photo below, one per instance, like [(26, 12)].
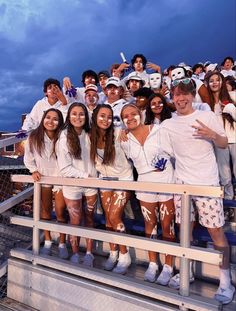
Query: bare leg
[(60, 207), (46, 208), (75, 212), (89, 214), (167, 215), (149, 211)]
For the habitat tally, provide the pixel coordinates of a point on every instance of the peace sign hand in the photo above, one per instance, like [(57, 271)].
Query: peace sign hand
[(202, 131)]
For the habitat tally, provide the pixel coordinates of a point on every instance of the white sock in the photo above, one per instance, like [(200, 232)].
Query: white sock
[(89, 253), (225, 278), (62, 245), (47, 243)]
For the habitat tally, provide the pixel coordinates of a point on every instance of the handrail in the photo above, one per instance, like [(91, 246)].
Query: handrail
[(125, 185), (10, 141), (184, 251)]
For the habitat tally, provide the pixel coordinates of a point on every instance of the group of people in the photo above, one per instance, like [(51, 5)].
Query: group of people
[(164, 128)]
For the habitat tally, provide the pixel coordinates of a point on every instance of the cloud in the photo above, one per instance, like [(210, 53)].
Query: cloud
[(56, 38)]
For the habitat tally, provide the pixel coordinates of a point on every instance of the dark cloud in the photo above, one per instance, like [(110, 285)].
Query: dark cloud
[(56, 38)]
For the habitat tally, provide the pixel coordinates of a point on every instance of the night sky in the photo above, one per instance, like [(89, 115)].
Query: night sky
[(57, 38)]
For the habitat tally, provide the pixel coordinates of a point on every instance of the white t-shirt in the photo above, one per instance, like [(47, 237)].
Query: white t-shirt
[(195, 159), (116, 107), (34, 118)]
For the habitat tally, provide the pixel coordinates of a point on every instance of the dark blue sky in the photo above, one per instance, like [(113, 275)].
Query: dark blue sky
[(56, 38)]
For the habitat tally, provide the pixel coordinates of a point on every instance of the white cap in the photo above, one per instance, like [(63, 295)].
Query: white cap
[(230, 109), (113, 81), (211, 67), (134, 76), (91, 87)]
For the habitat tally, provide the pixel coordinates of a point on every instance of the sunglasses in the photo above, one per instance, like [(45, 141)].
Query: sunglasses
[(184, 81)]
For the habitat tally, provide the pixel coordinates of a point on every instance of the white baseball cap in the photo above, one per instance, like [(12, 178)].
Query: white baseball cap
[(91, 87), (113, 81)]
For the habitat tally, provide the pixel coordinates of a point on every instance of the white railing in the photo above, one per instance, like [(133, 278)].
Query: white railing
[(183, 250)]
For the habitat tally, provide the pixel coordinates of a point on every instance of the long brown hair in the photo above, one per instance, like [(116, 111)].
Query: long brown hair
[(73, 141), (36, 138), (109, 150), (224, 94)]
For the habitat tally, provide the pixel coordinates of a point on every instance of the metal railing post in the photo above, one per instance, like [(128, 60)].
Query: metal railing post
[(185, 242), (36, 216)]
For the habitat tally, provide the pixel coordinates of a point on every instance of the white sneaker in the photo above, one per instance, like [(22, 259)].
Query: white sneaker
[(74, 258), (175, 280), (88, 260), (63, 252), (111, 261), (225, 295), (150, 274), (165, 275), (124, 262)]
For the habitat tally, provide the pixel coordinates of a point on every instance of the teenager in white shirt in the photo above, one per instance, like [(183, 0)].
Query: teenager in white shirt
[(190, 138), (40, 159), (142, 148), (220, 98), (111, 162), (54, 98), (73, 156)]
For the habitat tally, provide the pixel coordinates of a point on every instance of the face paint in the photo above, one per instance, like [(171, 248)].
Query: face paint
[(120, 227), (146, 213), (137, 118), (177, 73), (154, 233), (172, 228), (153, 106), (125, 120), (155, 80), (55, 122), (121, 198), (163, 211), (104, 119)]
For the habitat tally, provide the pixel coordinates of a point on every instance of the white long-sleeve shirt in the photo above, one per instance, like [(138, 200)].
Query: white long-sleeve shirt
[(71, 167), (147, 155), (34, 118), (45, 164)]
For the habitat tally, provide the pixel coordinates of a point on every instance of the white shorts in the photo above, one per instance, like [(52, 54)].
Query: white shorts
[(151, 197), (76, 193)]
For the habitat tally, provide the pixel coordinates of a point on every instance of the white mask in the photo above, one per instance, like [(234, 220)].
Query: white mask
[(155, 80), (177, 73)]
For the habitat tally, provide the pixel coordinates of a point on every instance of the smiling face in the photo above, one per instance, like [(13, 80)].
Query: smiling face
[(77, 117), (155, 80), (183, 102), (104, 118), (177, 73), (91, 99), (131, 117), (215, 83), (51, 121), (156, 105)]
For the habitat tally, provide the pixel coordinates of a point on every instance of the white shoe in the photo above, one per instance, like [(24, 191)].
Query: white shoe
[(150, 274), (175, 280), (74, 258), (165, 275), (63, 252), (124, 262), (225, 295), (88, 260), (111, 261)]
